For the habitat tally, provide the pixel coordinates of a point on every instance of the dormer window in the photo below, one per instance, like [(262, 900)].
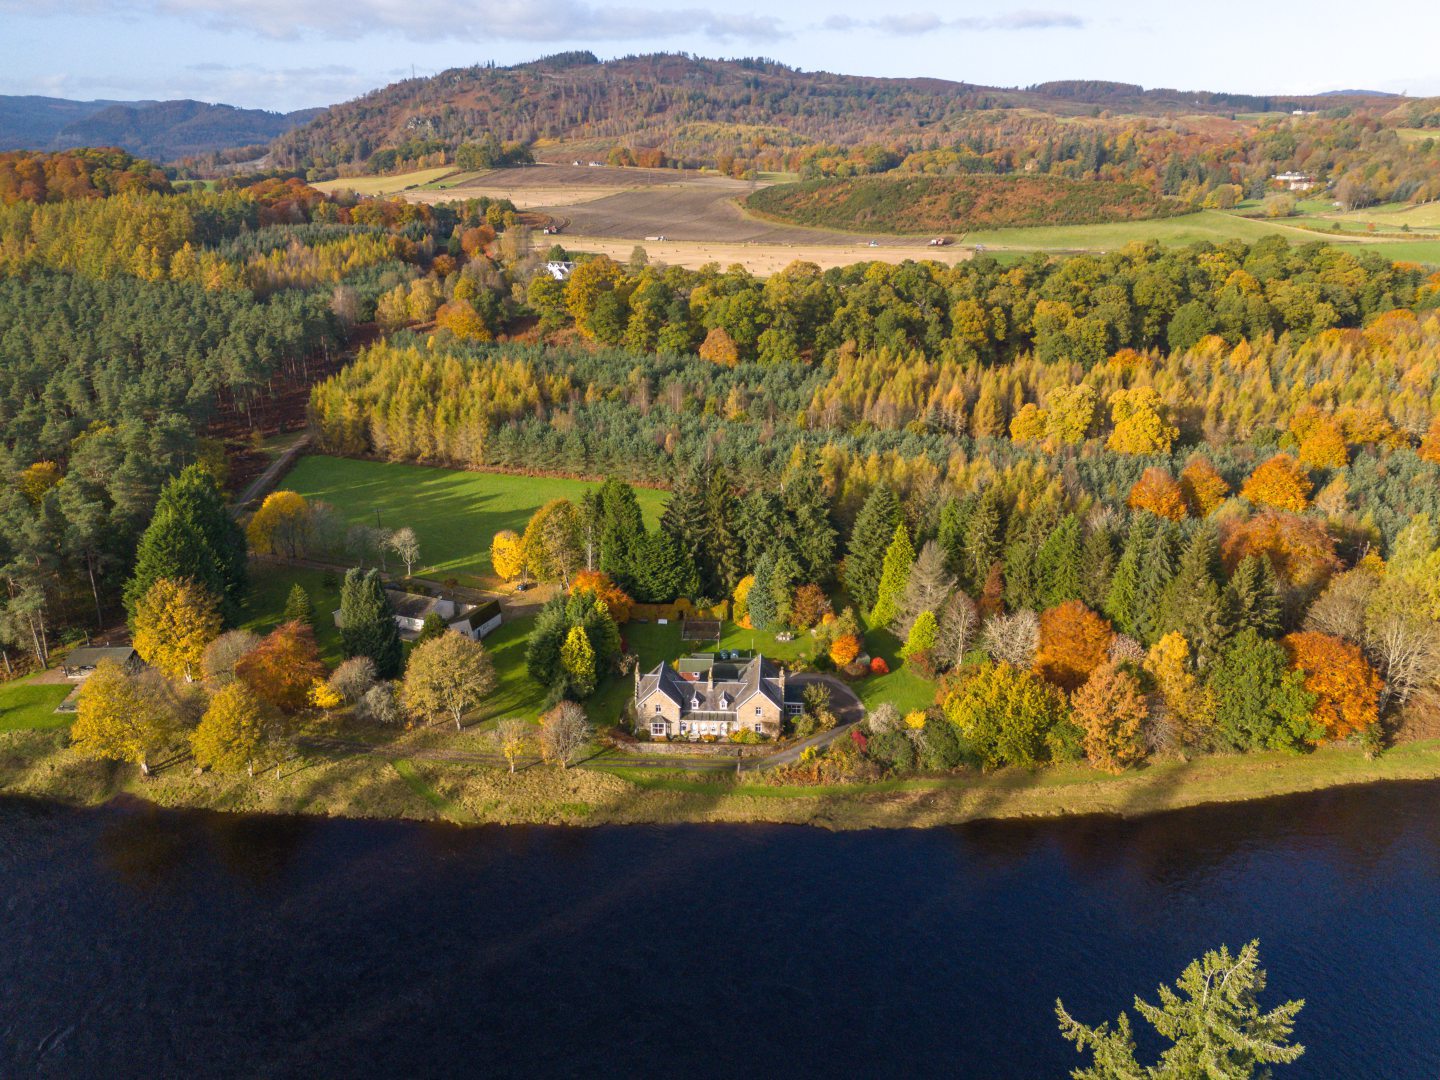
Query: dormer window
[(724, 701), (695, 701)]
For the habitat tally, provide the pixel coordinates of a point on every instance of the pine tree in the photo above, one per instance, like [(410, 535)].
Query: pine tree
[(622, 533), (1157, 569), (786, 576), (299, 607), (686, 520), (367, 623), (1097, 567), (894, 577), (1253, 597), (869, 539), (1194, 605), (764, 612), (726, 551), (191, 536), (955, 517), (1025, 537), (812, 534), (1122, 597), (665, 572), (983, 538), (762, 518), (930, 585), (1058, 564)]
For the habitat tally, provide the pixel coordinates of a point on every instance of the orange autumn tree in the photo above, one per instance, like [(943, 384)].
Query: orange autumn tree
[(1299, 549), (282, 668), (1110, 709), (1430, 445), (844, 649), (1280, 482), (1324, 447), (617, 601), (1158, 492), (1074, 641), (1203, 487), (1346, 688)]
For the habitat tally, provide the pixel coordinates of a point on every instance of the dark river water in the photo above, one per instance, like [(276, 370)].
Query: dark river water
[(143, 943)]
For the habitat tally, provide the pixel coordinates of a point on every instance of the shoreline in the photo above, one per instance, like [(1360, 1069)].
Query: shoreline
[(406, 786)]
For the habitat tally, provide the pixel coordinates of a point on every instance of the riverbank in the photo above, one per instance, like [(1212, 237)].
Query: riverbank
[(408, 786)]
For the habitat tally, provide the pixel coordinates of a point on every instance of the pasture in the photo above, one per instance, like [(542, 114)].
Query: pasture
[(385, 185), (454, 513)]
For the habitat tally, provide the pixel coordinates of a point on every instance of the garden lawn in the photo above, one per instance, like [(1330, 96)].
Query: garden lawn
[(265, 604), (454, 513), (28, 706), (515, 693)]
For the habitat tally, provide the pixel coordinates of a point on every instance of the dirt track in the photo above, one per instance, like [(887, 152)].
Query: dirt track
[(609, 211)]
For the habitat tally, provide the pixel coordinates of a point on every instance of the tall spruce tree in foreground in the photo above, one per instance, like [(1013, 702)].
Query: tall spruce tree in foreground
[(1194, 604), (764, 612), (622, 533), (869, 540), (811, 532), (1253, 597), (894, 577), (1097, 567), (1058, 564), (367, 622), (984, 538), (1212, 1020), (192, 536)]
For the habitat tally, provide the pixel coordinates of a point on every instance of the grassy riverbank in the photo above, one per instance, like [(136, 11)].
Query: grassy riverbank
[(402, 783)]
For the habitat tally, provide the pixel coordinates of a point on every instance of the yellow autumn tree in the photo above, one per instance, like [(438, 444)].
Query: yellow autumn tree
[(121, 717), (1324, 447), (507, 554), (1203, 487), (35, 480), (280, 526), (1187, 702), (1028, 425), (1140, 426), (1069, 412), (174, 622), (1280, 482), (232, 731)]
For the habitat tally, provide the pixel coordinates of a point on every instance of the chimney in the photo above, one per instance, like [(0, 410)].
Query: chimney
[(710, 676)]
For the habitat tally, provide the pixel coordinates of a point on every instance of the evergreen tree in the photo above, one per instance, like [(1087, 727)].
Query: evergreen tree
[(1058, 564), (622, 533), (955, 517), (764, 612), (1253, 597), (367, 623), (1024, 539), (665, 572), (1097, 567), (984, 535), (299, 607), (894, 577), (1194, 605), (192, 536), (929, 587), (726, 550), (871, 536), (812, 534), (432, 627), (1157, 569), (686, 520), (762, 519), (786, 577), (1260, 702), (1122, 598)]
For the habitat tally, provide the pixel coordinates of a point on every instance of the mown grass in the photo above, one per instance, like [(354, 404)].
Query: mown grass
[(385, 185), (27, 706), (270, 586), (454, 513)]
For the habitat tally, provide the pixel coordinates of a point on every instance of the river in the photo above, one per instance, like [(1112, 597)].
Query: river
[(147, 943)]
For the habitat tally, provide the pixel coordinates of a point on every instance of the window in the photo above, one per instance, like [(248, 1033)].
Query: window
[(657, 727), (657, 706), (757, 710)]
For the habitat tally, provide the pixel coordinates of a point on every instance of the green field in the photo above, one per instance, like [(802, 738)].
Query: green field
[(385, 185), (454, 513), (27, 706), (270, 585)]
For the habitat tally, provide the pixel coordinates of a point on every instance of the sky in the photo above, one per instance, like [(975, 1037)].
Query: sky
[(283, 54)]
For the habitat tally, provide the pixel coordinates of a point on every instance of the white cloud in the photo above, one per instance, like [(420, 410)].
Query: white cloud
[(433, 20), (926, 22)]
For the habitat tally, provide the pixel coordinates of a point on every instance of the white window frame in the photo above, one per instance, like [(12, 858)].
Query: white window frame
[(757, 711), (657, 727)]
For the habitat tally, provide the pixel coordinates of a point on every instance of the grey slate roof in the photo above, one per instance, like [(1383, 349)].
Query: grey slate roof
[(734, 684)]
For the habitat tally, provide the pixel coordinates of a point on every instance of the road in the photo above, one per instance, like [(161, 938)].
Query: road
[(848, 711)]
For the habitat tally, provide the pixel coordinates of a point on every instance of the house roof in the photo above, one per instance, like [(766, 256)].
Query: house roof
[(733, 684), (90, 655), (483, 613)]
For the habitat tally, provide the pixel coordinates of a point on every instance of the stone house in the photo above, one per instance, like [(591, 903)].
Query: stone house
[(714, 695)]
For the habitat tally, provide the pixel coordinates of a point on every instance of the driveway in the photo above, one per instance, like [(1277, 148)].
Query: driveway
[(848, 711)]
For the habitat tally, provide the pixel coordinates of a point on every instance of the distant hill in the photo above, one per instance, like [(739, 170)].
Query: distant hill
[(159, 130), (573, 98)]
